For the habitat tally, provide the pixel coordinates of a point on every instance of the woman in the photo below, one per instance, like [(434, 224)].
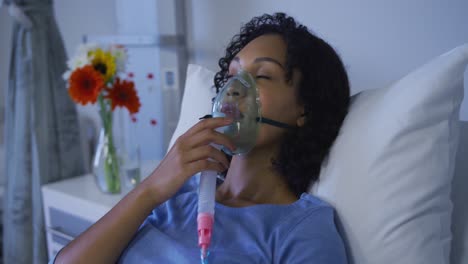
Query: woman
[(262, 212)]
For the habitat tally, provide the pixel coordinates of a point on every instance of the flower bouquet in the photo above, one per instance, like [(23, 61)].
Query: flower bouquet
[(94, 75)]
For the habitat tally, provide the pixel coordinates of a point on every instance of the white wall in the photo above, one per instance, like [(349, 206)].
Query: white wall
[(84, 17), (77, 18), (379, 41)]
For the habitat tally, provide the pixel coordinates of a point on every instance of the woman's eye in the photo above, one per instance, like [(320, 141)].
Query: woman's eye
[(263, 77)]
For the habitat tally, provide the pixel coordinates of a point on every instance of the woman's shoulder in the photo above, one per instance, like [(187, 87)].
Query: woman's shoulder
[(310, 200), (309, 204), (308, 215), (312, 234), (316, 211)]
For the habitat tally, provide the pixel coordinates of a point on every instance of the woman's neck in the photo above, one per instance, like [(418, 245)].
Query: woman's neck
[(251, 179)]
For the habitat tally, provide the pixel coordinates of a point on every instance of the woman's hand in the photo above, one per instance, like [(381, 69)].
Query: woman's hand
[(190, 154), (104, 241)]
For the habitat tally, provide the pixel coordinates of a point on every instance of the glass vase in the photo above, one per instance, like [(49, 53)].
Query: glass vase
[(106, 165), (131, 167)]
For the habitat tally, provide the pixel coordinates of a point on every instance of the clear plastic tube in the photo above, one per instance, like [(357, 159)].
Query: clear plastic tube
[(206, 205), (238, 100), (206, 193)]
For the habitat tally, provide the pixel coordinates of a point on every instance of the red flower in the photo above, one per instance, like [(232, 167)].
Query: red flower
[(123, 94), (85, 85)]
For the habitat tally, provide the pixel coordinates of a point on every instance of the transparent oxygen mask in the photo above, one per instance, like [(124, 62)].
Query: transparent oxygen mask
[(239, 100)]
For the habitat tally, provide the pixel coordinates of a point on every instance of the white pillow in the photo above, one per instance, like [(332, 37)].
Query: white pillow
[(196, 101), (372, 202), (389, 172)]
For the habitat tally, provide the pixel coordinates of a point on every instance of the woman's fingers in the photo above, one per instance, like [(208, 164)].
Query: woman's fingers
[(204, 165), (209, 123), (207, 152), (204, 133), (209, 136), (193, 152)]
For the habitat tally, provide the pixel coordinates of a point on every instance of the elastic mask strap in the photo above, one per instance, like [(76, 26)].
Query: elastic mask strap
[(263, 120), (205, 117), (274, 123)]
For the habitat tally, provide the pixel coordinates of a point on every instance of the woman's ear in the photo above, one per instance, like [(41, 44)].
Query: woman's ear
[(301, 120)]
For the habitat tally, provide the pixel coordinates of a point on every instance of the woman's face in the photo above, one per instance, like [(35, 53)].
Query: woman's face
[(265, 59)]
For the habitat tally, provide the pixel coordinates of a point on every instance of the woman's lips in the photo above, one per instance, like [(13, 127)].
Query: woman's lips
[(231, 111)]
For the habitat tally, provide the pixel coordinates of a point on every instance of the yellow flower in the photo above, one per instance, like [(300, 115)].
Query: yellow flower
[(103, 62)]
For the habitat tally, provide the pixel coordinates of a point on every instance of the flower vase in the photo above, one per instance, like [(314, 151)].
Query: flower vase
[(94, 74), (106, 164), (131, 167)]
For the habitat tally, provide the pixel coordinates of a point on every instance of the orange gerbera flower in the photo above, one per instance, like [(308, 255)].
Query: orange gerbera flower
[(123, 94), (85, 85)]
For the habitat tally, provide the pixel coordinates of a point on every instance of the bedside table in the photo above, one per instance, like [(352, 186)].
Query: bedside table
[(71, 206)]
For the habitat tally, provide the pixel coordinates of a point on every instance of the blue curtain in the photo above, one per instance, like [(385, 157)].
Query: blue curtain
[(42, 135)]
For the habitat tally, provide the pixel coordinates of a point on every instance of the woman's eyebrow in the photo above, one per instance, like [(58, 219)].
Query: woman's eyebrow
[(268, 59), (261, 59)]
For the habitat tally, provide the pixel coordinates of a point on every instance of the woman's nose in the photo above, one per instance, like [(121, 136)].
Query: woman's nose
[(234, 92)]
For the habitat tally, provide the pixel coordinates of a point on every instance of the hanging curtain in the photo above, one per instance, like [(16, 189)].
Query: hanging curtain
[(42, 135)]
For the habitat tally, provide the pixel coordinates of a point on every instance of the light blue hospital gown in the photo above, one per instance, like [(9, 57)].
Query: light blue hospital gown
[(302, 232)]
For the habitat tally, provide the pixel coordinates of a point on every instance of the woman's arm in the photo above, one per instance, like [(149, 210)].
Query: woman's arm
[(104, 241)]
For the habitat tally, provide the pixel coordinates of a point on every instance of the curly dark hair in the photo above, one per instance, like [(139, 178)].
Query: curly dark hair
[(323, 89)]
